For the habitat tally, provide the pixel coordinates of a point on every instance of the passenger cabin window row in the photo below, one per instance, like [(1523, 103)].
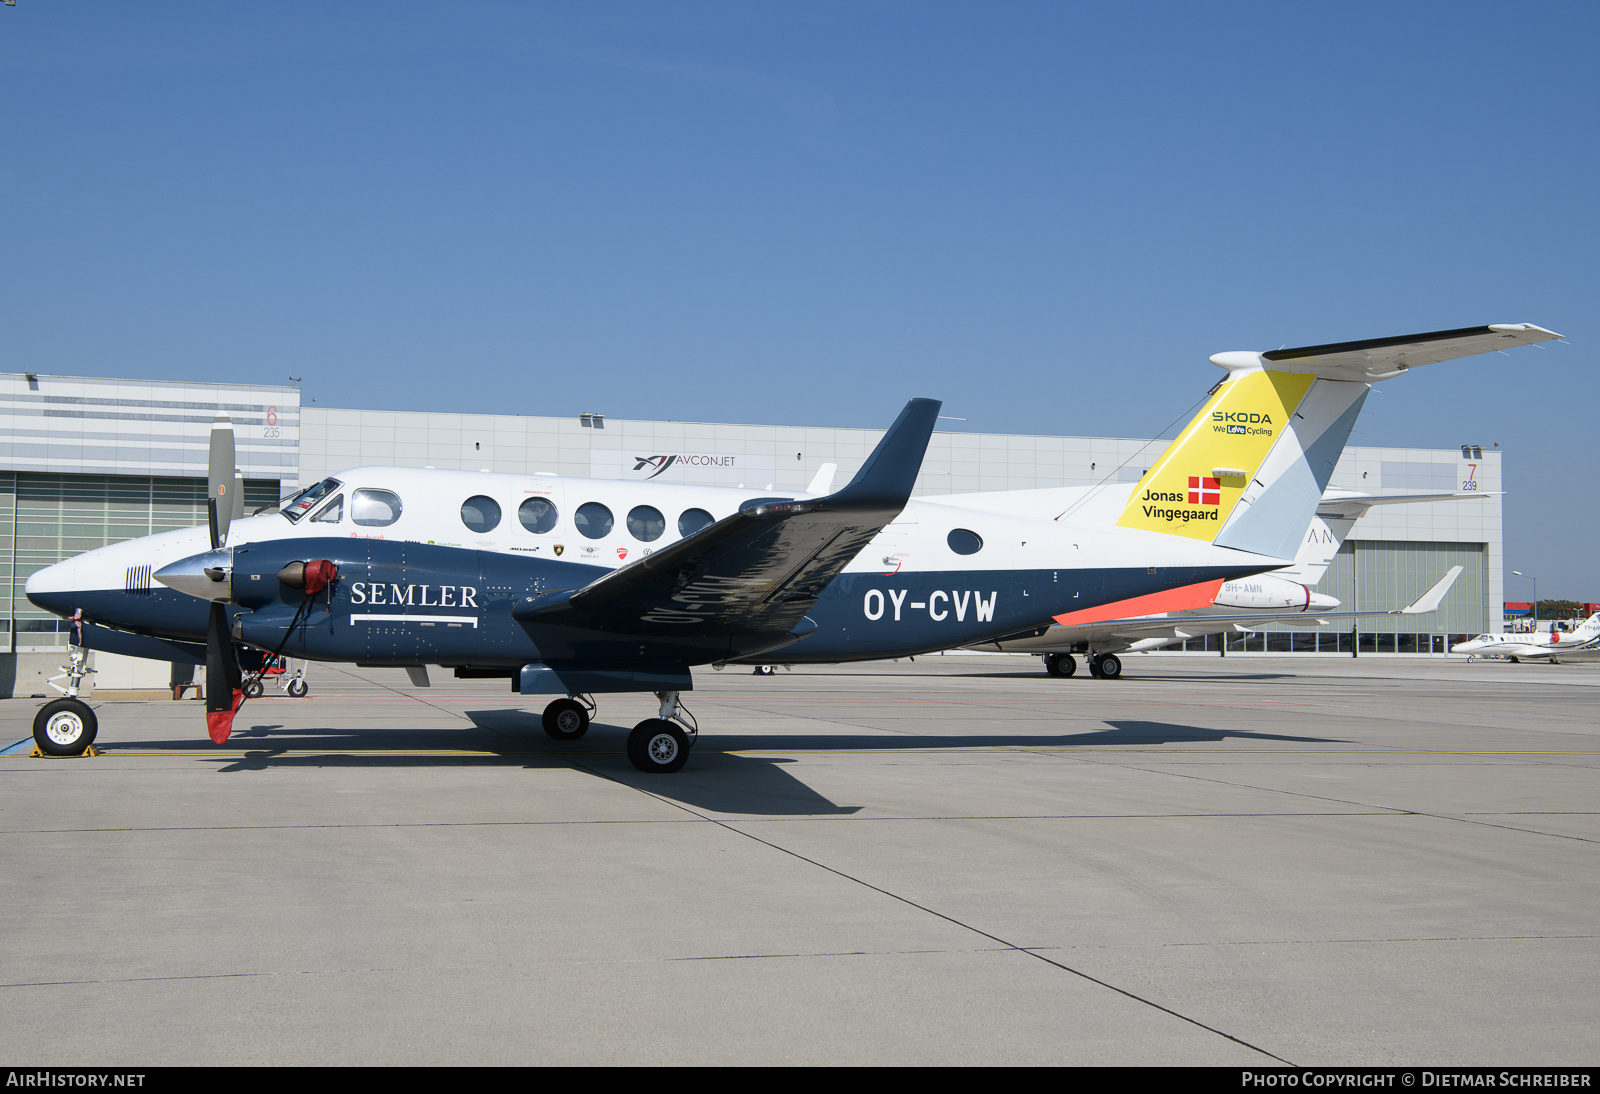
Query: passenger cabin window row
[(374, 508), (593, 520)]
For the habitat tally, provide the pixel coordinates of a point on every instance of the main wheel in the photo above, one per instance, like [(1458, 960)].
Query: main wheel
[(1110, 667), (299, 689), (1094, 667), (64, 727), (765, 670), (566, 720), (1060, 664), (658, 747), (253, 689)]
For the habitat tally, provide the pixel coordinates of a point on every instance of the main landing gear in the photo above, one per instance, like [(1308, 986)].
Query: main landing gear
[(568, 719), (67, 726), (656, 746), (1107, 666), (660, 746), (1060, 664)]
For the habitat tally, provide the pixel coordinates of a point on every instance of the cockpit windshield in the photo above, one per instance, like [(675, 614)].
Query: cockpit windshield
[(296, 506)]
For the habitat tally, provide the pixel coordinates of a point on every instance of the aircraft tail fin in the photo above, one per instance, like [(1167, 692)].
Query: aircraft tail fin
[(1249, 469), (1590, 627)]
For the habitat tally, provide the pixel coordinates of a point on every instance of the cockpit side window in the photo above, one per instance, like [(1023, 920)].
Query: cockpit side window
[(298, 505), (332, 513), (374, 508)]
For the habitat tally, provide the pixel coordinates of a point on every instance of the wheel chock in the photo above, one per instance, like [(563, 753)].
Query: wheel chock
[(36, 754)]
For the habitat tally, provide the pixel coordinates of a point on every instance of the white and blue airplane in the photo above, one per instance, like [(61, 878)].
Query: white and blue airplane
[(1551, 646), (573, 587), (1282, 596)]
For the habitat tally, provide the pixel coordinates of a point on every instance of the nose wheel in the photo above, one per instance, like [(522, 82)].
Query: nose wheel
[(64, 727)]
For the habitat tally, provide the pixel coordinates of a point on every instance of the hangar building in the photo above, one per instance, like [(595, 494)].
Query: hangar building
[(85, 462)]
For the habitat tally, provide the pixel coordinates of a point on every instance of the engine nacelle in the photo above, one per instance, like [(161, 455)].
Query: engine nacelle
[(1267, 593)]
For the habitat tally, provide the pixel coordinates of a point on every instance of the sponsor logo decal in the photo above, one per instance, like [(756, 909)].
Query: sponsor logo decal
[(622, 552), (389, 594), (558, 548), (1241, 423)]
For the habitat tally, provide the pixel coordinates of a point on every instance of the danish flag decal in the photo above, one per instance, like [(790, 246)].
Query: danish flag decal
[(1204, 491)]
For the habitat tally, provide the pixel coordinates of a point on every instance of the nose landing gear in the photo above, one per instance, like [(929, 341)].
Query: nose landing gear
[(67, 726)]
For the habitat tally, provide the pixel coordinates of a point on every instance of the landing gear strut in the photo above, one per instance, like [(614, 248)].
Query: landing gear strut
[(67, 726), (660, 746)]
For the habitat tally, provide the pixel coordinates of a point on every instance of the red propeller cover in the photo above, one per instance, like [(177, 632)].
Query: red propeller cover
[(319, 575)]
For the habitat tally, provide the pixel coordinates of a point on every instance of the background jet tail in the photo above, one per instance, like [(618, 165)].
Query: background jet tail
[(1337, 513), (1590, 627)]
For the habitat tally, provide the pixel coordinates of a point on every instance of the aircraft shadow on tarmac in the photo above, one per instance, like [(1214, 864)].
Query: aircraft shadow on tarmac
[(717, 779), (1188, 678)]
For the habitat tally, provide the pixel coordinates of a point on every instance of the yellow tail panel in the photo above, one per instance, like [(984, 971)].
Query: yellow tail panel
[(1183, 494)]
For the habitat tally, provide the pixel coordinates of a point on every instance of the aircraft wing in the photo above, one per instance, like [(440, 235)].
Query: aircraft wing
[(1423, 605), (1381, 358), (760, 570), (1184, 625)]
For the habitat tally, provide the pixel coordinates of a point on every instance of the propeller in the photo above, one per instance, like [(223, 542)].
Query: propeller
[(224, 501), (224, 681), (222, 480)]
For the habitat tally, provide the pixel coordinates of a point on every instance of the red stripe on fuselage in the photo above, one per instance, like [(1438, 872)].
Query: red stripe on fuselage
[(1202, 595)]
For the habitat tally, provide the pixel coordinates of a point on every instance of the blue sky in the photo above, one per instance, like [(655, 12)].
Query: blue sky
[(1047, 215)]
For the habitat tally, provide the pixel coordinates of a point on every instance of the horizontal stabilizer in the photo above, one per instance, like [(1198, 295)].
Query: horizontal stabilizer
[(1380, 358), (1353, 505)]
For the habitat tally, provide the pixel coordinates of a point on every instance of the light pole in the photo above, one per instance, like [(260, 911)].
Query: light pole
[(1535, 581)]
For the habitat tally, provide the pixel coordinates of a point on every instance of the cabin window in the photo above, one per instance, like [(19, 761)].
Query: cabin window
[(374, 508), (537, 515), (593, 520), (693, 520), (963, 542), (480, 514), (298, 505), (645, 523), (331, 513)]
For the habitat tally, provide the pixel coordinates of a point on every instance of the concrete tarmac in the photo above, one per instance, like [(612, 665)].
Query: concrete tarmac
[(1250, 861)]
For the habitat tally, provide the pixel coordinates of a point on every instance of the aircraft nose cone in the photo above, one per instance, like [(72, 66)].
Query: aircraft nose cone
[(208, 576), (51, 588), (1323, 601)]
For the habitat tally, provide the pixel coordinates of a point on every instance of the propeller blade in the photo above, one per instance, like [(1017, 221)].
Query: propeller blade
[(224, 684), (222, 481)]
